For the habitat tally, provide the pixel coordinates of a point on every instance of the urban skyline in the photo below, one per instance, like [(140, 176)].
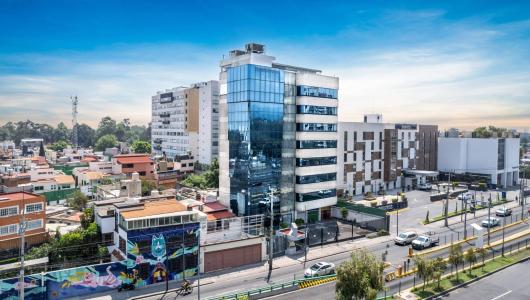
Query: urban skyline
[(422, 59)]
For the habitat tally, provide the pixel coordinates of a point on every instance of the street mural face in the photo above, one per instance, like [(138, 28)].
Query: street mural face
[(152, 255)]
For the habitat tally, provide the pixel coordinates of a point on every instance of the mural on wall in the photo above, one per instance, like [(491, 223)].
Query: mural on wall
[(152, 255), (33, 289), (171, 251), (85, 280)]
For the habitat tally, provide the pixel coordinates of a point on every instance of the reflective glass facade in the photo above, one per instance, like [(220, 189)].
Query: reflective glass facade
[(316, 127), (316, 178), (255, 96), (316, 195), (316, 110), (313, 91), (316, 144), (316, 161)]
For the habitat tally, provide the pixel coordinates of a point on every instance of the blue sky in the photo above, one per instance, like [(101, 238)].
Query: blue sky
[(452, 63)]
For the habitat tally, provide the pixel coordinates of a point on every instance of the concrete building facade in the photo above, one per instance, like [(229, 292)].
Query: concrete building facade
[(374, 154), (495, 160), (186, 120)]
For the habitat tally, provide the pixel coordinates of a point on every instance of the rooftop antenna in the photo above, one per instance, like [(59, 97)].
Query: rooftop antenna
[(75, 101)]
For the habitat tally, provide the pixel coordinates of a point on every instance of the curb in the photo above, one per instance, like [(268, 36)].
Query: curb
[(163, 292), (475, 279)]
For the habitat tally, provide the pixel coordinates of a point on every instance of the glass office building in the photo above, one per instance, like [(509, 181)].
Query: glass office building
[(277, 132)]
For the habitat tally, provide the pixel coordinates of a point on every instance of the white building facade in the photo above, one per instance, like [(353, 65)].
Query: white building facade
[(185, 120), (494, 159)]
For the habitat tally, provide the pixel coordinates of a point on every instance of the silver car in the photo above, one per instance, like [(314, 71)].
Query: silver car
[(405, 238), (320, 269), (490, 222)]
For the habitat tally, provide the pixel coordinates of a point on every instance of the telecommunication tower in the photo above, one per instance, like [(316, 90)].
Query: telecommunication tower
[(75, 101)]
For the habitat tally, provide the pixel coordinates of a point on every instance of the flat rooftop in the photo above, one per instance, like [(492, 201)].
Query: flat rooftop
[(155, 208)]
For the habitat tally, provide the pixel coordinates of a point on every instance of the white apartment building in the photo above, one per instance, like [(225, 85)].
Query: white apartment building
[(496, 160), (375, 156), (186, 120)]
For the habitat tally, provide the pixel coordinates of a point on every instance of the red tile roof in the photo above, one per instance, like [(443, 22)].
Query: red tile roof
[(220, 215), (213, 207), (133, 159)]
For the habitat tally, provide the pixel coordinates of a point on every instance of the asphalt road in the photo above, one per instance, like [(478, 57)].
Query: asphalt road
[(396, 255), (511, 283)]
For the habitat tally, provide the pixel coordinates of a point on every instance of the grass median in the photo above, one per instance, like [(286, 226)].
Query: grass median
[(434, 287), (460, 212)]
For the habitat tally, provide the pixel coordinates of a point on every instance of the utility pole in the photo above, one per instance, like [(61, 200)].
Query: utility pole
[(271, 230), (397, 222), (22, 232), (465, 219), (521, 195), (503, 223), (446, 208), (489, 218), (199, 271)]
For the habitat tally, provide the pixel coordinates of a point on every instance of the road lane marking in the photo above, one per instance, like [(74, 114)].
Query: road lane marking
[(500, 296)]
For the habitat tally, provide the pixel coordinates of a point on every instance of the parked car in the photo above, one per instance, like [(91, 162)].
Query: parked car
[(425, 241), (503, 212), (464, 197), (490, 222), (424, 186), (320, 269), (405, 238)]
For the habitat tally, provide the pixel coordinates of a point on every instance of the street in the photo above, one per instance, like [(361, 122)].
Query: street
[(510, 283)]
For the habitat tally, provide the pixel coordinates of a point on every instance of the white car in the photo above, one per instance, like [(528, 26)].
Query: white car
[(464, 197), (503, 212), (424, 186), (320, 269), (490, 222), (405, 238)]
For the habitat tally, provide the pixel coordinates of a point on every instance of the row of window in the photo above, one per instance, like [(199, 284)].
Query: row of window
[(312, 91), (316, 195), (255, 72), (316, 127), (316, 144), (316, 178), (316, 161), (155, 222), (316, 110), (13, 210), (13, 228)]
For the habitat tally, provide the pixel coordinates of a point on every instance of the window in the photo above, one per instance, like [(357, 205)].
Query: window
[(316, 110), (316, 195), (316, 161), (316, 178), (34, 207), (38, 188), (9, 229), (9, 211), (141, 173), (34, 224), (316, 144), (311, 91), (345, 141), (317, 127), (122, 245)]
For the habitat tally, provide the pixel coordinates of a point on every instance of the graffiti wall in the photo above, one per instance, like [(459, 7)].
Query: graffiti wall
[(34, 289), (85, 280), (153, 253)]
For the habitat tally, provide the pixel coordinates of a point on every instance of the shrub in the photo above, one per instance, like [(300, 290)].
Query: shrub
[(299, 222), (373, 203), (394, 200), (382, 232)]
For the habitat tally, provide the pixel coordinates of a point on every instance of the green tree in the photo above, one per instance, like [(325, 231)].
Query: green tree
[(360, 277), (482, 253), (106, 126), (456, 257), (344, 212), (211, 176), (194, 180), (78, 200), (59, 145), (141, 147), (425, 269), (147, 187), (471, 258), (439, 266), (106, 141), (85, 135), (62, 132)]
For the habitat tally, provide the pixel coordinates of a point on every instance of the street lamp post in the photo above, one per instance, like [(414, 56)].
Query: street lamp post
[(271, 230), (465, 219), (503, 223), (489, 218), (446, 208)]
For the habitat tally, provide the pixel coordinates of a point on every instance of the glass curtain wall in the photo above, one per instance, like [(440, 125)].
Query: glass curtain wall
[(255, 133)]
